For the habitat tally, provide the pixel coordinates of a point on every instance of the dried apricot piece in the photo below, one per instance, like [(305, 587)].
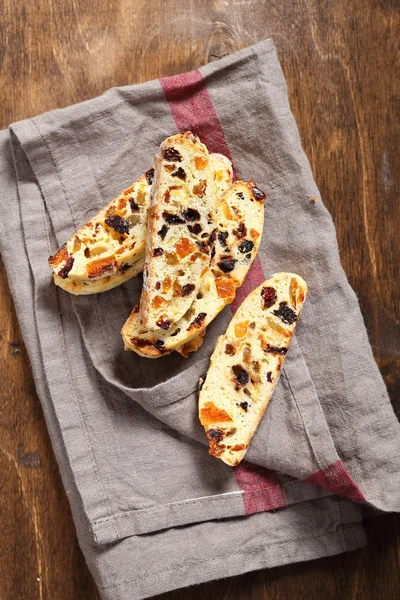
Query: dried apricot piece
[(157, 302), (98, 267), (226, 210), (241, 329), (200, 189), (77, 244), (166, 284), (201, 162), (210, 413), (184, 247), (171, 259), (225, 287)]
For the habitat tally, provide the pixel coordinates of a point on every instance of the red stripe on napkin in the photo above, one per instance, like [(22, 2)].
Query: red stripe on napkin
[(338, 480), (253, 279), (262, 489), (193, 110)]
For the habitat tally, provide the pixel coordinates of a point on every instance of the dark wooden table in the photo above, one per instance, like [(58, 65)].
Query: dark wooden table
[(341, 61)]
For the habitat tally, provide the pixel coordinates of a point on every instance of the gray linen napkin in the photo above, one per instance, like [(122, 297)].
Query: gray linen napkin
[(153, 510)]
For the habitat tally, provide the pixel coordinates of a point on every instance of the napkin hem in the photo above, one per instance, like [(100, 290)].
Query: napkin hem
[(343, 532), (345, 538), (141, 521)]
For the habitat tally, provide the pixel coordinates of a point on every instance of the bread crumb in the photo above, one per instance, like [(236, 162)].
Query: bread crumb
[(313, 199)]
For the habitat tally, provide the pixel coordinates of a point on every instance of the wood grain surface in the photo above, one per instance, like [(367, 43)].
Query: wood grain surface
[(341, 61)]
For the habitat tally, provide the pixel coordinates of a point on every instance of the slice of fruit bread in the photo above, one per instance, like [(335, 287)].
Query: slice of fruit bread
[(246, 363), (180, 226), (108, 249), (240, 220)]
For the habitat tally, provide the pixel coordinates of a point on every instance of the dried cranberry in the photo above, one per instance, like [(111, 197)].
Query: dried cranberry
[(269, 377), (118, 223), (227, 264), (63, 273), (215, 434), (134, 206), (179, 173), (195, 229), (171, 154), (198, 321), (150, 176), (268, 294), (241, 231), (163, 232), (187, 289), (212, 253), (222, 238), (191, 214), (158, 285), (244, 405), (172, 219), (258, 194), (274, 349), (246, 246), (163, 323), (241, 374), (286, 314), (158, 251)]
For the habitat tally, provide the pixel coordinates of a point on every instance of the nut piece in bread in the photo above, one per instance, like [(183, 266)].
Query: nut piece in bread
[(246, 363), (180, 227), (108, 249), (240, 220)]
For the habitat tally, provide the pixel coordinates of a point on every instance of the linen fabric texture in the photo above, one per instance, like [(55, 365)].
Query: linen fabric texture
[(153, 510)]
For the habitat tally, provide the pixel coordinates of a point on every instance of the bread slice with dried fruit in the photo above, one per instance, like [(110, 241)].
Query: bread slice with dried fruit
[(180, 227), (246, 363), (108, 249), (240, 220)]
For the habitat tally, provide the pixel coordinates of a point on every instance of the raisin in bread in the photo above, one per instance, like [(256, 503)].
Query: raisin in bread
[(246, 363), (180, 227), (240, 220), (109, 249)]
